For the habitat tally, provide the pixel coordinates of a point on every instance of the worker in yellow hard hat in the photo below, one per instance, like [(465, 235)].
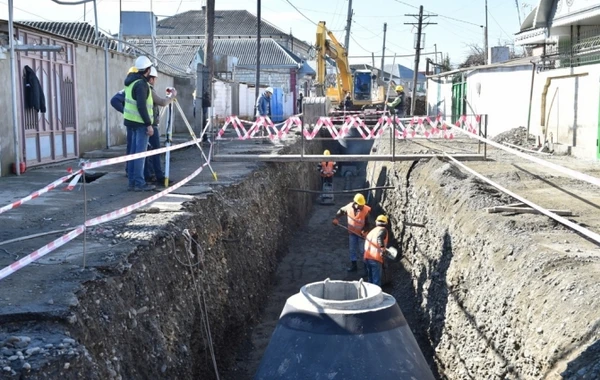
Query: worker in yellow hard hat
[(375, 245), (357, 212), (327, 169), (132, 69), (398, 106)]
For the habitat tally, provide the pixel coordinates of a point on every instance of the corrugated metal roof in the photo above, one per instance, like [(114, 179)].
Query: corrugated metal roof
[(178, 53), (77, 31), (227, 23), (182, 51)]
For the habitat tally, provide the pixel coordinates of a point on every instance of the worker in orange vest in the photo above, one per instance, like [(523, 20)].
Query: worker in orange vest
[(375, 246), (327, 169), (357, 213)]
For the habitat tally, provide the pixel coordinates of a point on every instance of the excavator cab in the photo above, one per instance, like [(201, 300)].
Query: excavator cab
[(363, 85)]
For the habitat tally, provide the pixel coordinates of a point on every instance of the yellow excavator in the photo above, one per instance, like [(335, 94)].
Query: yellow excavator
[(360, 85)]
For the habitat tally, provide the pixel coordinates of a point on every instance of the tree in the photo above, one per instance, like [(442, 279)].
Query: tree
[(445, 64), (476, 57)]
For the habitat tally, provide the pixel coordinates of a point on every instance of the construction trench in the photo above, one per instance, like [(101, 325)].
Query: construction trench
[(484, 295)]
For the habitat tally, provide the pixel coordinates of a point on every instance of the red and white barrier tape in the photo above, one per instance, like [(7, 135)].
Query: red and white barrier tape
[(37, 254), (41, 191)]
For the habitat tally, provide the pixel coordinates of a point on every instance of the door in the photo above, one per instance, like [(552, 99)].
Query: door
[(50, 136)]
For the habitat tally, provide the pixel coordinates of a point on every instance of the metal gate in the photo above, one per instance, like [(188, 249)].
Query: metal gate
[(51, 136)]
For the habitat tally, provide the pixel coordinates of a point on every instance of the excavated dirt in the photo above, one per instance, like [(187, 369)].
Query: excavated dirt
[(494, 296), (144, 315)]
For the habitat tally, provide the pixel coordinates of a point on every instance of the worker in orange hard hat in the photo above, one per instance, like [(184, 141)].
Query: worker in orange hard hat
[(327, 169), (357, 212), (398, 105), (375, 245)]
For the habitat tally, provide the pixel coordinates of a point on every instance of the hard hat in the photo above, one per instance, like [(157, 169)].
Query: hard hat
[(399, 88), (269, 89), (327, 152), (359, 199), (142, 63), (153, 72), (382, 219), (132, 69)]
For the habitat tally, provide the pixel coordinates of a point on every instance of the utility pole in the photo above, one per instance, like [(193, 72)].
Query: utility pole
[(418, 47), (257, 89), (372, 60), (348, 25), (209, 32), (383, 52), (487, 54)]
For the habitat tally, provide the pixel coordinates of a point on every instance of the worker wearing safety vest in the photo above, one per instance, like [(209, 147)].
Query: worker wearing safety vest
[(327, 169), (398, 105), (375, 245), (138, 115), (357, 213)]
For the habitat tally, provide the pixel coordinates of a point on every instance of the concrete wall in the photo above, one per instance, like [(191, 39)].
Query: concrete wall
[(185, 97), (503, 94), (268, 77), (91, 103)]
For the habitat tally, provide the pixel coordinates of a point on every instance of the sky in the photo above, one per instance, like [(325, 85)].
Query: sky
[(458, 22)]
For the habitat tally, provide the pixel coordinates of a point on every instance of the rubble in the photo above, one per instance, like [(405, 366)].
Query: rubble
[(516, 136)]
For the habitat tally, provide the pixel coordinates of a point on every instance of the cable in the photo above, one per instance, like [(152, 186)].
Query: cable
[(499, 26), (356, 42), (303, 15), (440, 15), (24, 11)]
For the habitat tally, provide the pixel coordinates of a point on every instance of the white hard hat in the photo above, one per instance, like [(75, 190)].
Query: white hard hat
[(153, 72), (269, 89), (142, 62)]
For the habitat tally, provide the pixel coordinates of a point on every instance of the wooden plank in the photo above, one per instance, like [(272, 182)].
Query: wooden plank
[(525, 210)]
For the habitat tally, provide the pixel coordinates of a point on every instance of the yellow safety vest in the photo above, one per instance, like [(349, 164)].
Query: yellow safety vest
[(131, 112)]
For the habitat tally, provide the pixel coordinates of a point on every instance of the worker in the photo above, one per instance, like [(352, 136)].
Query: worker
[(327, 169), (299, 101), (357, 213), (118, 103), (398, 105), (138, 115), (153, 162), (263, 103), (375, 246), (348, 103)]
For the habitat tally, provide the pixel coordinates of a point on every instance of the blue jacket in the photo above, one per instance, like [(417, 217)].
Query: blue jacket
[(118, 101), (263, 105)]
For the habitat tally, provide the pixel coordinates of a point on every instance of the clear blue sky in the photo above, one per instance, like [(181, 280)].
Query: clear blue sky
[(454, 31)]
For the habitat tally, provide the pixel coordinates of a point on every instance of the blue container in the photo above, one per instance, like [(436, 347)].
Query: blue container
[(342, 330)]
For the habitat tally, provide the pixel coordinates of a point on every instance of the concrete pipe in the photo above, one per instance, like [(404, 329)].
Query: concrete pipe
[(342, 330)]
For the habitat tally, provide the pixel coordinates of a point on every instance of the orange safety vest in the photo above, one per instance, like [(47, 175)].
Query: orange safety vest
[(356, 221), (327, 169), (372, 249)]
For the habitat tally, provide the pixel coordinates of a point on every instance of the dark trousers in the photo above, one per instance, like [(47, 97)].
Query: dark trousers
[(153, 163)]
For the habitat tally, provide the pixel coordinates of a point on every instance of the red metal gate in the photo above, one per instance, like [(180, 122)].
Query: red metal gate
[(51, 136)]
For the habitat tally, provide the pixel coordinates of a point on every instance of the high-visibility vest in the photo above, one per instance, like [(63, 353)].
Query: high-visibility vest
[(372, 250), (356, 220), (131, 112), (327, 169)]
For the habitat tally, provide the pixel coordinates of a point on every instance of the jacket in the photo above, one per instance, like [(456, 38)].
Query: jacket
[(375, 242), (34, 93), (140, 93), (327, 169), (118, 101), (357, 219), (398, 104), (263, 105), (158, 102)]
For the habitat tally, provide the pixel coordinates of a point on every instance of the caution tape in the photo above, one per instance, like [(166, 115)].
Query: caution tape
[(52, 246), (41, 191)]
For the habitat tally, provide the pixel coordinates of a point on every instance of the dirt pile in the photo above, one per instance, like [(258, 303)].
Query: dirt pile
[(145, 316), (516, 136), (487, 295)]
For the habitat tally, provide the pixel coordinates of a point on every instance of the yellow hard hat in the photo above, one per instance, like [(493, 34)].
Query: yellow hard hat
[(382, 219), (132, 69), (399, 88), (359, 199), (326, 152)]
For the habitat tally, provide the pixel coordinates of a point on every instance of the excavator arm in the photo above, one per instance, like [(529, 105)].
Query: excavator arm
[(330, 47)]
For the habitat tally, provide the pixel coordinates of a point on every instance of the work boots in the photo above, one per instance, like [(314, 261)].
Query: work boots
[(352, 267)]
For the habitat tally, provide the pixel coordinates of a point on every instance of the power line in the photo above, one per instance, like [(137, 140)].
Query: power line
[(440, 15), (24, 11), (356, 42), (298, 10), (499, 26)]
